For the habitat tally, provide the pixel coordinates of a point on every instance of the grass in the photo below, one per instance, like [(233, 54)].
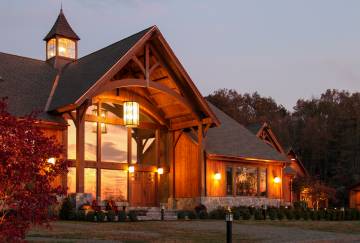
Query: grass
[(184, 231)]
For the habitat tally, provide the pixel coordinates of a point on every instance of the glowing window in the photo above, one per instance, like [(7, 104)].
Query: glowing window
[(66, 48), (51, 48), (262, 180), (114, 144), (114, 185), (71, 180), (90, 141), (246, 179), (71, 143), (90, 182)]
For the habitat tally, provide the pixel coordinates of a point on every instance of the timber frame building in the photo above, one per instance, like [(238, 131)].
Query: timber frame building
[(178, 149)]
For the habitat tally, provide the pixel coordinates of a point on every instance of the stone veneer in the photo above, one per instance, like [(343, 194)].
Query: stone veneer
[(214, 202)]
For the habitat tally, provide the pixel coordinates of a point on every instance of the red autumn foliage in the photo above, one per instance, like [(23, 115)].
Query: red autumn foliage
[(26, 177)]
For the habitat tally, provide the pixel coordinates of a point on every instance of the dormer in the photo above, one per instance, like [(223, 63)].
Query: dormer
[(61, 43)]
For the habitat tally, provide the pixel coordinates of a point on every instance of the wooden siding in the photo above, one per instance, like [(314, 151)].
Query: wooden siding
[(186, 168), (217, 188), (354, 198)]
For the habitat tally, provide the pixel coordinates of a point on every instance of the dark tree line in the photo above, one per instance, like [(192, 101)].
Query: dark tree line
[(324, 132)]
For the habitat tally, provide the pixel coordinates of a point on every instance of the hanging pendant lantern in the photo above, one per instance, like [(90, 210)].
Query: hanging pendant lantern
[(131, 114)]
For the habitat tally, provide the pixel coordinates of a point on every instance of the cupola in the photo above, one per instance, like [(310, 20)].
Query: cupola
[(61, 42)]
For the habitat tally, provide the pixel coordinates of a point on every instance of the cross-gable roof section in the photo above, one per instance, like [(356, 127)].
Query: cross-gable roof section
[(234, 140), (264, 132)]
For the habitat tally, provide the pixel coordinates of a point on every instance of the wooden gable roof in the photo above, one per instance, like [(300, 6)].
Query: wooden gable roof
[(81, 79)]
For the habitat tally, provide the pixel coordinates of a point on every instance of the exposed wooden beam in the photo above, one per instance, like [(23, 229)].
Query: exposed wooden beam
[(177, 115), (126, 83), (160, 106), (145, 105), (137, 61), (188, 124)]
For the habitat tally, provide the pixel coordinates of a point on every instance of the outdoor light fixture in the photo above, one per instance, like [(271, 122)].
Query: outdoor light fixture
[(160, 171), (277, 180), (217, 176), (131, 114), (293, 159), (131, 169), (51, 160)]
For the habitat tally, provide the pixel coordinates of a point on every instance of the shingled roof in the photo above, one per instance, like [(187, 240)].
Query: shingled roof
[(77, 77), (27, 83), (233, 139), (61, 27)]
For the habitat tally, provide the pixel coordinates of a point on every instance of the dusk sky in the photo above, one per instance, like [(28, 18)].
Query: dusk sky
[(280, 48)]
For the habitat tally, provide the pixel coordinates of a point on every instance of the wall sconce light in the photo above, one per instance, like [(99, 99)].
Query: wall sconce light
[(51, 160), (131, 169), (131, 113), (217, 176), (160, 171), (277, 180)]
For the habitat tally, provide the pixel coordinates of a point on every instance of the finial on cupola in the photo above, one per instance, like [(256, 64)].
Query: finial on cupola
[(61, 42)]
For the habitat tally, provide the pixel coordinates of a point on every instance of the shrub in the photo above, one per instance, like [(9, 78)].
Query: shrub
[(203, 215), (80, 215), (200, 208), (289, 214), (252, 210), (245, 214), (218, 213), (280, 214), (259, 215), (272, 213), (90, 216), (133, 216), (297, 214), (111, 216), (236, 214), (67, 210), (321, 214), (305, 215), (101, 216), (122, 216)]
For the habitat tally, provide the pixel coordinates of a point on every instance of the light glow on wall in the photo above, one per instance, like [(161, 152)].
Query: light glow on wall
[(160, 171), (131, 169), (277, 180)]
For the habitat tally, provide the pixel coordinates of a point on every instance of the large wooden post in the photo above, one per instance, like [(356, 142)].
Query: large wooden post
[(157, 159), (98, 155), (80, 146), (201, 161), (129, 155)]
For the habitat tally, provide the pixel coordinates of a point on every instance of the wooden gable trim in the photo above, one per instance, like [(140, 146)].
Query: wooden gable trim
[(265, 128), (130, 55), (242, 159), (189, 81), (116, 67)]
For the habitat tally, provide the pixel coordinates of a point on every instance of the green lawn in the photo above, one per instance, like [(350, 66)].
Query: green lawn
[(197, 231)]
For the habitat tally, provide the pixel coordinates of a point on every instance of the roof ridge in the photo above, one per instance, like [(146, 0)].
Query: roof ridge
[(94, 52), (16, 55)]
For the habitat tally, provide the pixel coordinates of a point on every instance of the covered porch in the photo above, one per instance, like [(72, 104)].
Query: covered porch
[(123, 131)]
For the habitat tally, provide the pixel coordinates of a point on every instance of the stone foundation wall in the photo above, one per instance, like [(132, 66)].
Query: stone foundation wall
[(214, 202), (183, 203)]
